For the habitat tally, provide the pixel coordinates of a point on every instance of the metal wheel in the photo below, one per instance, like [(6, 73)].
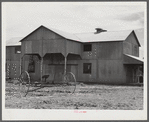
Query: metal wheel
[(69, 83), (24, 83)]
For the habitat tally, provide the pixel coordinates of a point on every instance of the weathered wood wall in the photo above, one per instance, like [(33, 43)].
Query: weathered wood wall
[(106, 57), (44, 41), (107, 63), (12, 62), (130, 46)]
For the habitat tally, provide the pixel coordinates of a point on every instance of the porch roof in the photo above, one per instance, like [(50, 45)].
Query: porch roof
[(129, 59)]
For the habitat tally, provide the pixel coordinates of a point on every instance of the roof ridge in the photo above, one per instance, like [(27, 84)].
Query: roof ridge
[(104, 32)]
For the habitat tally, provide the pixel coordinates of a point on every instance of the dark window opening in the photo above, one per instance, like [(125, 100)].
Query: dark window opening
[(31, 66), (87, 68), (87, 47), (17, 50)]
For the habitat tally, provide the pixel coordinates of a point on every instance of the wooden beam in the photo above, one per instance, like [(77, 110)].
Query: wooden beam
[(41, 68), (65, 65), (21, 65)]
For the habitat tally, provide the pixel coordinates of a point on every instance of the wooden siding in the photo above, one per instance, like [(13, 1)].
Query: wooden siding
[(131, 46), (44, 41), (73, 47), (104, 50), (131, 49), (91, 54), (110, 71), (110, 50), (11, 55), (54, 46), (87, 77), (132, 39), (12, 69)]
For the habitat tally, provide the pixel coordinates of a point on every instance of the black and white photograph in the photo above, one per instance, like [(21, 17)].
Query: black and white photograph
[(74, 60)]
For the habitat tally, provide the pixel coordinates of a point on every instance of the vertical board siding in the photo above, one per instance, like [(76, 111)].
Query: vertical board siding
[(91, 54), (12, 63), (47, 34), (28, 46), (131, 49), (73, 47), (131, 46), (54, 46), (36, 35), (110, 50), (87, 77), (132, 39), (127, 48), (13, 69), (110, 71), (37, 47)]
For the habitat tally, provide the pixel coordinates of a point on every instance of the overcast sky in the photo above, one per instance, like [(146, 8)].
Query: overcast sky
[(19, 19)]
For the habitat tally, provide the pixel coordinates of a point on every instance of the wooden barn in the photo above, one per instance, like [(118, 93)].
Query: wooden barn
[(101, 56)]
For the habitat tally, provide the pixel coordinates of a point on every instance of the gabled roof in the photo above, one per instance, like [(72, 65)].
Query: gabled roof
[(104, 36), (92, 36), (129, 59), (64, 34), (14, 41), (59, 32)]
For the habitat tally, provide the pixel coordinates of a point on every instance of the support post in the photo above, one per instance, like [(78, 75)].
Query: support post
[(65, 66), (41, 68), (21, 65)]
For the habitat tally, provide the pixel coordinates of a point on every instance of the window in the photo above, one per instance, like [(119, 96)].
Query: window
[(17, 50), (87, 68), (87, 47)]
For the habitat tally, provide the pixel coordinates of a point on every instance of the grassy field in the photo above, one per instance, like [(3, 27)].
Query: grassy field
[(96, 97)]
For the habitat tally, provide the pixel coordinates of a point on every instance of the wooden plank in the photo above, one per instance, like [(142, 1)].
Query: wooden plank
[(132, 39), (111, 71), (87, 77), (73, 47), (54, 46), (110, 50)]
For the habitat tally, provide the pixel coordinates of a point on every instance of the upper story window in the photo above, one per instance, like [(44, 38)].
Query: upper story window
[(87, 47), (17, 50)]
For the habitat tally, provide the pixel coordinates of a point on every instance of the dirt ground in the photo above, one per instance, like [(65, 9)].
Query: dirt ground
[(97, 97)]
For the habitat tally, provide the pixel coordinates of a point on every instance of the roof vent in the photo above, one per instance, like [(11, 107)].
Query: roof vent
[(99, 30)]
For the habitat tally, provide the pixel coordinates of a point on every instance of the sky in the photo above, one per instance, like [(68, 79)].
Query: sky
[(21, 18)]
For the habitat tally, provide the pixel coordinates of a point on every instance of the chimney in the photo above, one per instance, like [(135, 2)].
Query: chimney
[(99, 30)]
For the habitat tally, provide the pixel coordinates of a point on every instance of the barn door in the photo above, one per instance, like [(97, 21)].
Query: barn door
[(59, 71), (74, 70)]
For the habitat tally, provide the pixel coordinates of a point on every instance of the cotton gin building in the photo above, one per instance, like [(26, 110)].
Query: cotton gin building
[(98, 57)]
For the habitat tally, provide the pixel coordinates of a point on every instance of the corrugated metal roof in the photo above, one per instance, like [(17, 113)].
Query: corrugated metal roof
[(104, 36), (129, 59), (14, 41)]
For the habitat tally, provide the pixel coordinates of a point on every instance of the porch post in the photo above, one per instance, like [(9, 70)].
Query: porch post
[(21, 65), (41, 68), (65, 65)]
